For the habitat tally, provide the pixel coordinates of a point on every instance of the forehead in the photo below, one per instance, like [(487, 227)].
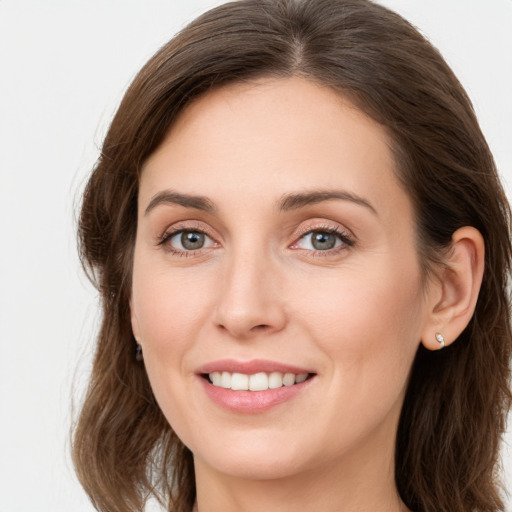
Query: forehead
[(274, 136)]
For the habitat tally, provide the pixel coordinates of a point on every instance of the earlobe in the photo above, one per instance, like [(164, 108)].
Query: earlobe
[(135, 323), (136, 334), (459, 281)]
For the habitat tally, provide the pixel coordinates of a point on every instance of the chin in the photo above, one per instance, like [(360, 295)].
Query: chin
[(254, 461)]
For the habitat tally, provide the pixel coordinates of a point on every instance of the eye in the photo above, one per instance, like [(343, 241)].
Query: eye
[(188, 240), (322, 240)]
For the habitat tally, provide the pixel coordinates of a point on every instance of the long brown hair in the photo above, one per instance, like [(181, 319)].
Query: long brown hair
[(455, 407)]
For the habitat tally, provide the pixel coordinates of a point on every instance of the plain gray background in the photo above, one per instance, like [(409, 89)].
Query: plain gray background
[(63, 68)]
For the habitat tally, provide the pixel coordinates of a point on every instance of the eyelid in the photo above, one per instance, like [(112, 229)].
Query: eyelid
[(322, 225)]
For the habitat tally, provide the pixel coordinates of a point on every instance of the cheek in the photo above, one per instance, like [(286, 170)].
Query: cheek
[(171, 306), (169, 312), (168, 307), (368, 320), (367, 324)]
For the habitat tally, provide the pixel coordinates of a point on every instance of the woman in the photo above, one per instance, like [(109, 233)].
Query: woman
[(302, 249)]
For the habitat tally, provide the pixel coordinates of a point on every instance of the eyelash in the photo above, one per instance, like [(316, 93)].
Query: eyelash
[(346, 240)]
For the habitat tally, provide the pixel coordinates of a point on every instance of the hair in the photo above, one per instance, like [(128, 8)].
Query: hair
[(453, 416)]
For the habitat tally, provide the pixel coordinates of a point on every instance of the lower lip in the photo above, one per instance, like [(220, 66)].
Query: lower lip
[(252, 402)]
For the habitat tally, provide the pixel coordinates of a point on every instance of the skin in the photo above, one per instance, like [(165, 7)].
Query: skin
[(258, 289)]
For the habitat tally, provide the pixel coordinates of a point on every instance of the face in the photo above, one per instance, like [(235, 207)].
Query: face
[(275, 251)]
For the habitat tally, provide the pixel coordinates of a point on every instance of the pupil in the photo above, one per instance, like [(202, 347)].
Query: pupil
[(192, 240), (323, 241)]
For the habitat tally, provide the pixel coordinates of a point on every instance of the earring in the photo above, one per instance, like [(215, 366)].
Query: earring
[(138, 353), (138, 350), (440, 339)]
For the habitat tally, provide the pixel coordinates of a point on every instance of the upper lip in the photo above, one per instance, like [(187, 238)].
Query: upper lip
[(250, 367)]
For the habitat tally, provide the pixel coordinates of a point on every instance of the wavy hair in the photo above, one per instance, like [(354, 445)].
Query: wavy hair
[(454, 412)]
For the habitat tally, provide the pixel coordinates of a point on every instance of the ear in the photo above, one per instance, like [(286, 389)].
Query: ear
[(454, 293), (135, 323)]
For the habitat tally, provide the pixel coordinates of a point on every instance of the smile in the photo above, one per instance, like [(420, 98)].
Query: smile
[(255, 382), (251, 387)]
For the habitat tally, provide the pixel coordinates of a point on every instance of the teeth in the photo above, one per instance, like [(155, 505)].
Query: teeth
[(289, 379), (216, 378), (225, 380), (301, 378), (275, 380), (256, 382), (240, 382)]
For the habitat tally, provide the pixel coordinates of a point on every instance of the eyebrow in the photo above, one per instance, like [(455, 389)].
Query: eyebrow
[(300, 200), (186, 200), (287, 202)]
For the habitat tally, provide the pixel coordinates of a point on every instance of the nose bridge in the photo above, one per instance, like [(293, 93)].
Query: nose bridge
[(249, 301)]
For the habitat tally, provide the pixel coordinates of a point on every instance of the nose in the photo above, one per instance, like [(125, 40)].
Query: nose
[(250, 302)]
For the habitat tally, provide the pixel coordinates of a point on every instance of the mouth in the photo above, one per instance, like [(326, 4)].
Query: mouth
[(253, 386), (261, 381)]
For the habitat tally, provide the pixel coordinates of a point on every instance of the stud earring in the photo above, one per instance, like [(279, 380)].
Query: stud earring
[(138, 352), (138, 349), (440, 339)]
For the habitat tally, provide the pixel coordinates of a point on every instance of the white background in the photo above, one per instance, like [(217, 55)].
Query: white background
[(63, 68)]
